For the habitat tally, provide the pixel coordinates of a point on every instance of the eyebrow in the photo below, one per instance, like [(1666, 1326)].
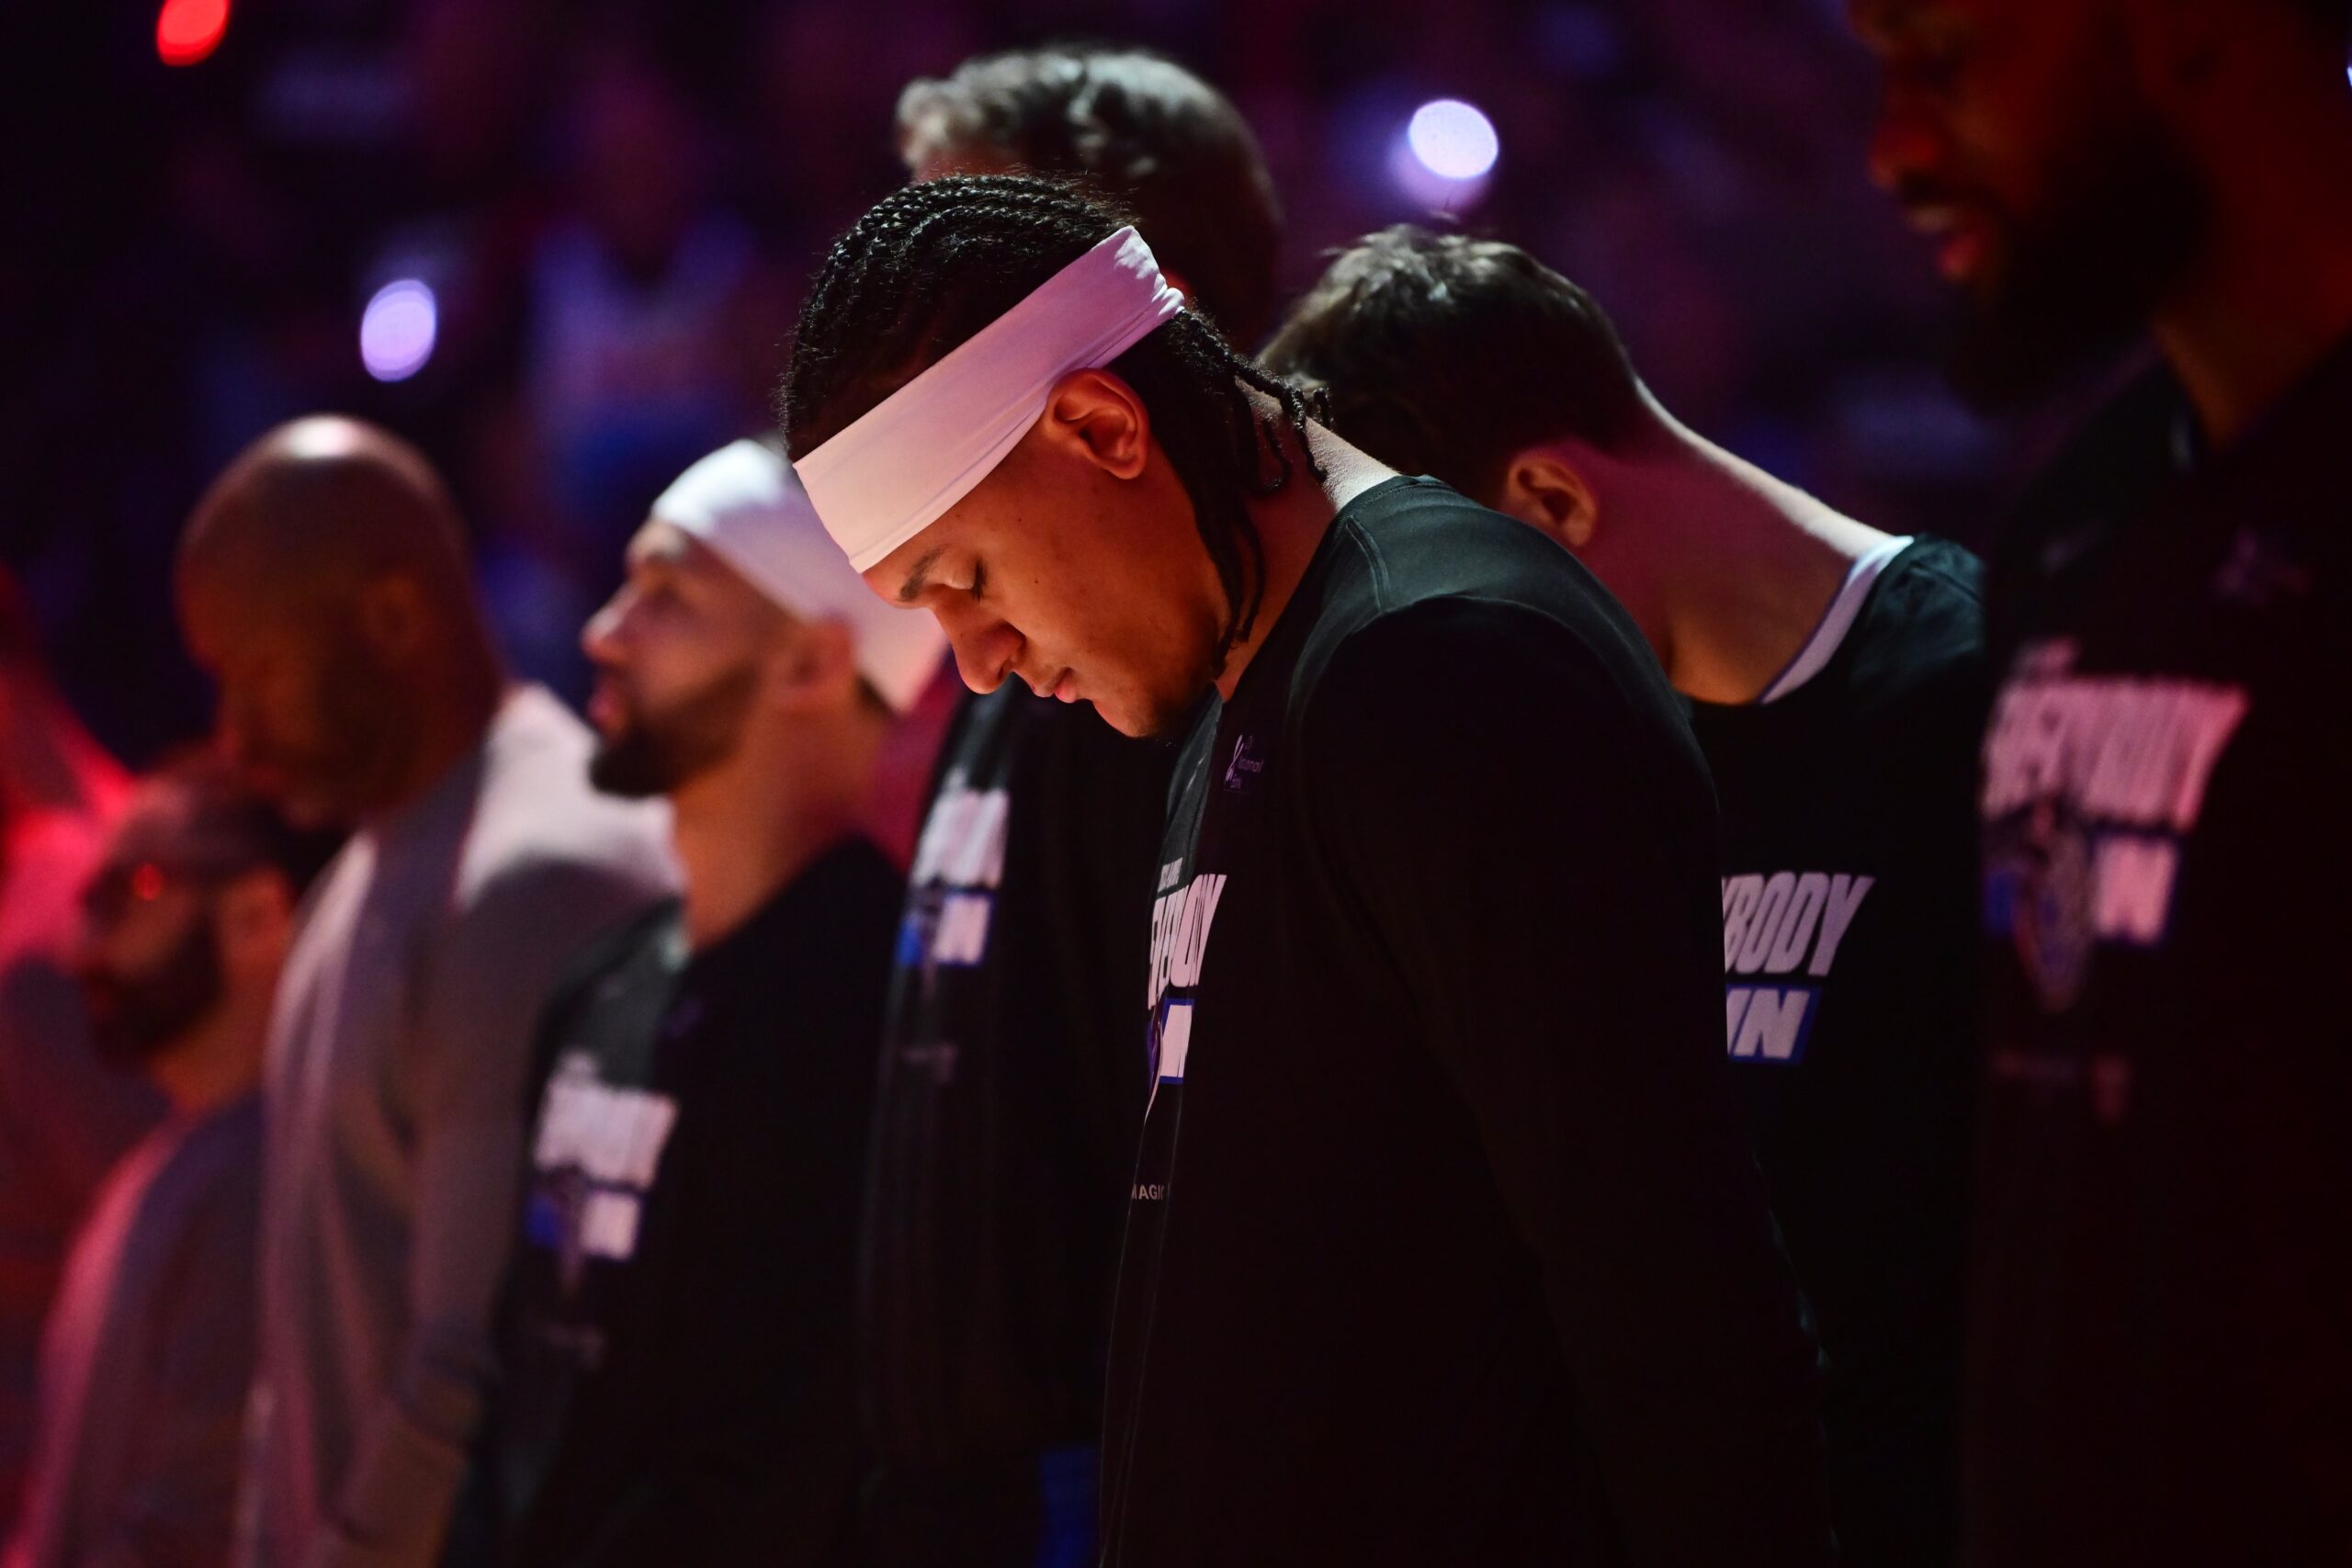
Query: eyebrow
[(913, 586)]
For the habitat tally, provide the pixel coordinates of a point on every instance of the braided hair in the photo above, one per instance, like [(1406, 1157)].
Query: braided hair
[(934, 263)]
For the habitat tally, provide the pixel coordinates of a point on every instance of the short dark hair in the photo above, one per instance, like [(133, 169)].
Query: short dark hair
[(934, 263), (1143, 130), (1445, 354)]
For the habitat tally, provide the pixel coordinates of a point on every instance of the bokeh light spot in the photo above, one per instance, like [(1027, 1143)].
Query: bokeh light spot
[(397, 329), (1452, 140), (188, 30)]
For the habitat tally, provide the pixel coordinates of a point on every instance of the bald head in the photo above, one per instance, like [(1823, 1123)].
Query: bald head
[(323, 582), (320, 505)]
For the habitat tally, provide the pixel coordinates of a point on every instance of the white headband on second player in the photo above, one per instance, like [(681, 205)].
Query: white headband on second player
[(891, 474), (742, 502)]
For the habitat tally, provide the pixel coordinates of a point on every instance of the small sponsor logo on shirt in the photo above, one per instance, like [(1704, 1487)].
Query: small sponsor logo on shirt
[(2092, 785), (1788, 923), (1242, 768)]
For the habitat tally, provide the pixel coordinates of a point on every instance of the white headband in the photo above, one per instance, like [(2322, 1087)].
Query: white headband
[(744, 504), (920, 450)]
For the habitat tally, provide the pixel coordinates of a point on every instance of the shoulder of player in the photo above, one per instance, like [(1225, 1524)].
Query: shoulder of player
[(1940, 569), (539, 807), (203, 1198), (1414, 539), (2098, 476), (1413, 545), (531, 912), (1422, 664), (540, 831), (1925, 614), (613, 956), (855, 888)]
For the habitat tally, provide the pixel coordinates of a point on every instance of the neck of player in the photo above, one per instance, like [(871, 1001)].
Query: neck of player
[(1291, 524), (1728, 570), (460, 687), (744, 828), (2271, 291)]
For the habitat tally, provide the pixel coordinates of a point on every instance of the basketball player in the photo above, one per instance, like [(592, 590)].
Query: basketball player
[(1833, 678), (1444, 1244), (323, 582), (2161, 1333), (677, 1326), (1012, 1082)]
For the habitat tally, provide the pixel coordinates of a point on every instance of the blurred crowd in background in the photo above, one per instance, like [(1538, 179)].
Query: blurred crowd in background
[(560, 246)]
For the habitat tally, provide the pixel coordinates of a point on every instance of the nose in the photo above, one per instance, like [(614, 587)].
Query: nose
[(985, 646), (600, 634)]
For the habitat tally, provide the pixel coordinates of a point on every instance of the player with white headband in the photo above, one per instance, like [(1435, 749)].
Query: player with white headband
[(1448, 1247), (676, 1342), (1010, 1089)]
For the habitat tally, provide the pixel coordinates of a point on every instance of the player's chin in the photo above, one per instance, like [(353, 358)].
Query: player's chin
[(1145, 717), (1119, 715)]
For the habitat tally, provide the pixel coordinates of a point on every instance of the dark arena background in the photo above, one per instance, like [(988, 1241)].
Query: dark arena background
[(560, 245)]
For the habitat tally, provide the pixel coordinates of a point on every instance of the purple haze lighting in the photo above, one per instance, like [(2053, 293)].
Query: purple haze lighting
[(1452, 140), (397, 329)]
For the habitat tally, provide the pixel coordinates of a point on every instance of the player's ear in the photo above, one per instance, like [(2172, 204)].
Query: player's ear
[(817, 664), (1096, 416), (390, 615), (1543, 488)]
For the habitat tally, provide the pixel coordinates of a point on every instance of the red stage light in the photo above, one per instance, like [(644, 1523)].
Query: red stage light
[(187, 30)]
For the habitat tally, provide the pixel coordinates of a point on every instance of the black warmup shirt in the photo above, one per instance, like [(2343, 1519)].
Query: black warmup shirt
[(1012, 1085), (676, 1336), (1445, 1244), (1850, 974), (2161, 1332)]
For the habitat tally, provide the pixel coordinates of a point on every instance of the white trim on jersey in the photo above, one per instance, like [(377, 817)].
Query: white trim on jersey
[(1837, 620)]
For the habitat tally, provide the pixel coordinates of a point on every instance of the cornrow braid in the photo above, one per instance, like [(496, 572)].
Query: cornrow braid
[(932, 263)]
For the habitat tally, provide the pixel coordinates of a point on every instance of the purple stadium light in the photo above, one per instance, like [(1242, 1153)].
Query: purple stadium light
[(397, 329), (1452, 140)]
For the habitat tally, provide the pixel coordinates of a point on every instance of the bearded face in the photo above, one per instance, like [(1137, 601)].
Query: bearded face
[(2018, 136)]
